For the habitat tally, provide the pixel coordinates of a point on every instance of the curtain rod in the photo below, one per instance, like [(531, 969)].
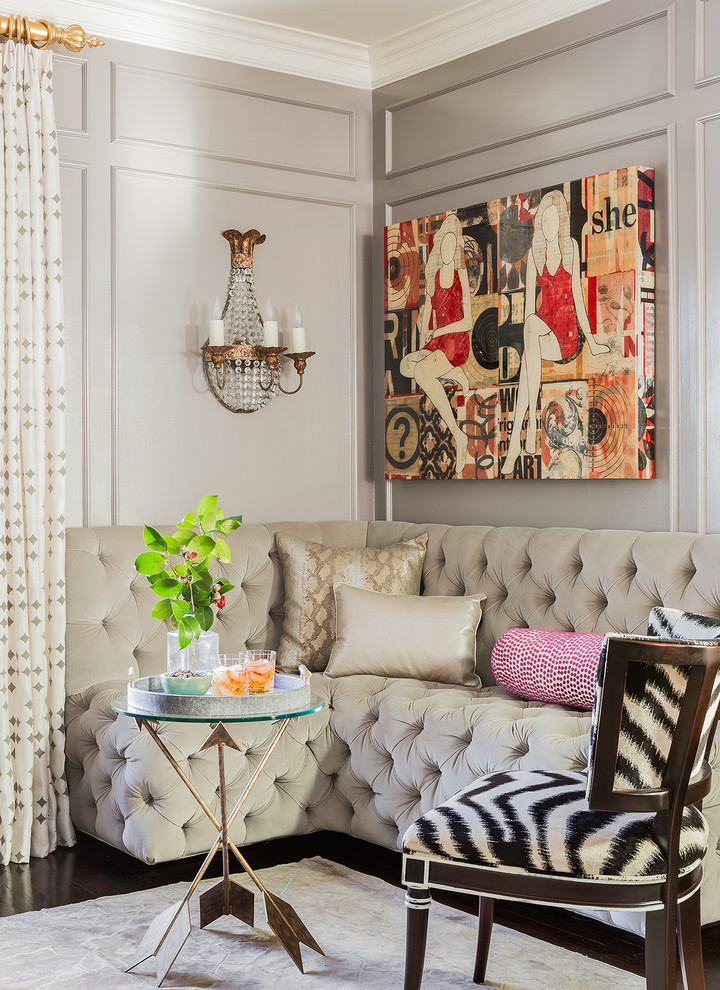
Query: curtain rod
[(42, 34)]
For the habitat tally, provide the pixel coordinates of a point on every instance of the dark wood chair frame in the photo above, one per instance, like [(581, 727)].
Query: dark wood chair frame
[(673, 904)]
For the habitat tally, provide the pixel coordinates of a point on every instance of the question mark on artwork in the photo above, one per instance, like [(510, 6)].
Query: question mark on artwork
[(402, 423)]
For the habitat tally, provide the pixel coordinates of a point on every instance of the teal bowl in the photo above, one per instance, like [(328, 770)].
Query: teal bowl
[(186, 685)]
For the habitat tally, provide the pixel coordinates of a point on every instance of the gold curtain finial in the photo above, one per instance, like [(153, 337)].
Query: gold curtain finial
[(42, 34)]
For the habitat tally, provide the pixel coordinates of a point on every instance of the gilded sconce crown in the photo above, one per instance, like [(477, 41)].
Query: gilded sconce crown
[(241, 246)]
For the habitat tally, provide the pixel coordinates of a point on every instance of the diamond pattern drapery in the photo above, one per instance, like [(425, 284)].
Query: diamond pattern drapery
[(34, 809)]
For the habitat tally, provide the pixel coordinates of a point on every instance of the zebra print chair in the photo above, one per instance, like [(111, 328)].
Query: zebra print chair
[(627, 834)]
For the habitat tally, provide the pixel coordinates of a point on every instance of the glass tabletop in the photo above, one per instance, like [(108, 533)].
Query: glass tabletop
[(121, 706)]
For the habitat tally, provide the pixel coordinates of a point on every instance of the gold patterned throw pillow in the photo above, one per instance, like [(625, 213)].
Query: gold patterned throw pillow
[(309, 572)]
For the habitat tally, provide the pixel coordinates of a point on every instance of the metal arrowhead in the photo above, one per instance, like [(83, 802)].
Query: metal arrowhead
[(219, 737), (240, 902), (164, 939), (289, 928)]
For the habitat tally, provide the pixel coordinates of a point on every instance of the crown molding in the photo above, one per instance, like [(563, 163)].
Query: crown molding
[(462, 32), (183, 27)]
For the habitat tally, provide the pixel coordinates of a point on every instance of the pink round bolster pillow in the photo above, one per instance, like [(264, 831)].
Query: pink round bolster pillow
[(540, 665)]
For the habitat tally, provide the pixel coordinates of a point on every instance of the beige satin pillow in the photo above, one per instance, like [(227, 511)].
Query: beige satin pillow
[(309, 572), (428, 637)]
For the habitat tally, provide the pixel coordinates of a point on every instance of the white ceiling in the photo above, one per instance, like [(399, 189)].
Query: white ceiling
[(362, 43)]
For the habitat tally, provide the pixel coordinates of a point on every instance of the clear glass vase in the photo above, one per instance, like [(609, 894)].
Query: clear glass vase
[(201, 655)]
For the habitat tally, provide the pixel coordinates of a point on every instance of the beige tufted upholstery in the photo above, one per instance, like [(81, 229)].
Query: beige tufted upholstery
[(384, 751)]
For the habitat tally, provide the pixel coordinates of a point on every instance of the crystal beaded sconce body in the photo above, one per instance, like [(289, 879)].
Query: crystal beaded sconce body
[(244, 374)]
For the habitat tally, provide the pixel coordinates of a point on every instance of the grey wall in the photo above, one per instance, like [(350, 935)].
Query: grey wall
[(160, 153), (623, 84), (163, 151)]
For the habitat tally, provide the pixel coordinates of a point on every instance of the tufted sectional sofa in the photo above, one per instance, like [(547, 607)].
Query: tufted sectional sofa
[(383, 751)]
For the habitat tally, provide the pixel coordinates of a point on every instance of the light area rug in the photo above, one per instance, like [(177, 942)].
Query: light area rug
[(358, 920)]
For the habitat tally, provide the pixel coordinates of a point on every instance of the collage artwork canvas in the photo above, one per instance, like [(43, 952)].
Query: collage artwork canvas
[(519, 335)]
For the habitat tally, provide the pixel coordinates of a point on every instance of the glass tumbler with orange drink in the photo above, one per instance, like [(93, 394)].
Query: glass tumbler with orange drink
[(260, 665), (230, 677)]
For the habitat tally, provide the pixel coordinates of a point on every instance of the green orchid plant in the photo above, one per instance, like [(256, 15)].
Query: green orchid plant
[(185, 587)]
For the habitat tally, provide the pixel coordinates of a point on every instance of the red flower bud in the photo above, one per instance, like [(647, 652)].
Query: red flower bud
[(221, 603), (193, 554)]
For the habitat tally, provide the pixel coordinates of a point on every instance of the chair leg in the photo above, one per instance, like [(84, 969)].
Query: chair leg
[(417, 901), (690, 943), (485, 923), (660, 952)]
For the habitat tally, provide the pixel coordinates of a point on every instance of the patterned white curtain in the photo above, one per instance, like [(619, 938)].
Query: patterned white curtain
[(34, 808)]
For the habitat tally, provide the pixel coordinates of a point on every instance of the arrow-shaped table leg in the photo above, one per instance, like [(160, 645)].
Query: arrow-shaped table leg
[(169, 930)]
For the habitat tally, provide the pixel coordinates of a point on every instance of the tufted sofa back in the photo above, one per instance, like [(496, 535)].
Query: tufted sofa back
[(574, 579)]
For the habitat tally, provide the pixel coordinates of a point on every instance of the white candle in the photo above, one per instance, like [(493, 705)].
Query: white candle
[(297, 334), (216, 333), (216, 326), (270, 327), (298, 340)]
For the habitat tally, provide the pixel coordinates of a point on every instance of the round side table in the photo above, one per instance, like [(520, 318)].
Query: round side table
[(169, 931)]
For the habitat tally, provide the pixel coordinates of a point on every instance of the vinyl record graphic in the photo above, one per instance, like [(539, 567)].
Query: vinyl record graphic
[(484, 339), (402, 276), (610, 428)]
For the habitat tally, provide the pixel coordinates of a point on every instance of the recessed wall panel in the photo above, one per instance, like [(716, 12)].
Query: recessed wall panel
[(72, 190), (165, 109), (612, 504), (173, 441), (708, 32), (70, 91), (598, 76)]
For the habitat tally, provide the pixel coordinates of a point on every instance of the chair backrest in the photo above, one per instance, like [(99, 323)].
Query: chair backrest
[(674, 623), (656, 705)]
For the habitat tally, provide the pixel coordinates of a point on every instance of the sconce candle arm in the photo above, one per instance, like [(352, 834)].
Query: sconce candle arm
[(271, 356), (300, 360)]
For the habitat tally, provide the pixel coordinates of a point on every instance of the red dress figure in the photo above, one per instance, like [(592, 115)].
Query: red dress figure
[(445, 325)]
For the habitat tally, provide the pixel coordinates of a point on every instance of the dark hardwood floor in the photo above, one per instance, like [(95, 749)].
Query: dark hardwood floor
[(91, 869)]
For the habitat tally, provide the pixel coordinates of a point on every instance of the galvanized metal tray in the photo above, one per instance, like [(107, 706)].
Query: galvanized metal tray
[(289, 693)]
